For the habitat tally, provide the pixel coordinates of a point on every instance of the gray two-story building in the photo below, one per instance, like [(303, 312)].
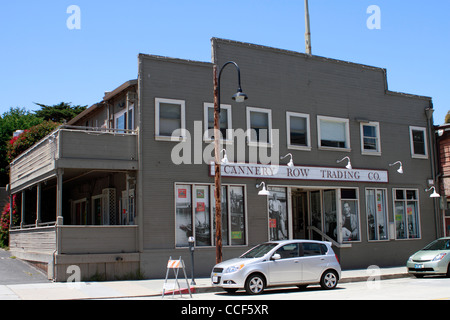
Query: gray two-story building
[(121, 187)]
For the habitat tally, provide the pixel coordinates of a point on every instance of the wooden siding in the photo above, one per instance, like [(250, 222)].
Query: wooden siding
[(97, 239), (36, 240), (34, 163)]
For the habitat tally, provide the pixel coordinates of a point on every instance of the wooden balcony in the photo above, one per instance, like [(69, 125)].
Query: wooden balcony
[(74, 148)]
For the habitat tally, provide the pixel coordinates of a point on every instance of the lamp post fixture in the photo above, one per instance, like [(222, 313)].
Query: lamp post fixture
[(239, 96)]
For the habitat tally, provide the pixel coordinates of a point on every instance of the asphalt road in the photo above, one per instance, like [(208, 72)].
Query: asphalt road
[(15, 271)]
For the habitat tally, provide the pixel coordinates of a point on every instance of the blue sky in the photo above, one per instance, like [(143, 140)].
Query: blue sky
[(42, 60)]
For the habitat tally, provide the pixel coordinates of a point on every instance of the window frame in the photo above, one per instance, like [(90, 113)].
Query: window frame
[(250, 142), (120, 114), (211, 203), (411, 142), (365, 151), (182, 105), (386, 214), (405, 201), (345, 121), (306, 147), (229, 129)]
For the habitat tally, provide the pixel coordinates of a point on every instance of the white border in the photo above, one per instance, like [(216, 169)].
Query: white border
[(290, 114), (377, 130), (249, 131), (411, 143), (183, 120), (347, 133)]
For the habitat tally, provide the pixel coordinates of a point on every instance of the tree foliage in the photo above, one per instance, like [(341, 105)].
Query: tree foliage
[(10, 121), (59, 112), (28, 138)]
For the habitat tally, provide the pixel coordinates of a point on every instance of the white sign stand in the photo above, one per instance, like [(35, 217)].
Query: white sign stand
[(175, 265)]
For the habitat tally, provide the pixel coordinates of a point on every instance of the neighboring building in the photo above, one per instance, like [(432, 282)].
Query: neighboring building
[(443, 148), (115, 192)]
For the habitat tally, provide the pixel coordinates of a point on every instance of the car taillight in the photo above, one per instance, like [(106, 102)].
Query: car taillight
[(336, 257)]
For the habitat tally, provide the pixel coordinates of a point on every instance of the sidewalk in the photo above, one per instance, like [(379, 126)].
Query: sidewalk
[(143, 288)]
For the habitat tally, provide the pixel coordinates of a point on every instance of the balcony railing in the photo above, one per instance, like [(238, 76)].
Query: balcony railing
[(75, 147)]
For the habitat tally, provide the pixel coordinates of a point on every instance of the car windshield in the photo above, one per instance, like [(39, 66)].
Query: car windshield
[(259, 250), (439, 244)]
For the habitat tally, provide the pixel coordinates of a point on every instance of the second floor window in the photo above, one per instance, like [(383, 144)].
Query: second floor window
[(169, 116), (418, 142), (370, 138), (333, 132), (259, 124)]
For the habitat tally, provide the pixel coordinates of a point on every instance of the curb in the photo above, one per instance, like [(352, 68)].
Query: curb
[(344, 280)]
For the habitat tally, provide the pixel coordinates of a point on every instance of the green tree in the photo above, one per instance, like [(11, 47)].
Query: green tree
[(10, 121), (28, 138), (59, 112), (447, 117)]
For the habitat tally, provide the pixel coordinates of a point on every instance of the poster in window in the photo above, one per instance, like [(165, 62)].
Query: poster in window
[(350, 223), (237, 208), (183, 215), (202, 218), (278, 214), (182, 193)]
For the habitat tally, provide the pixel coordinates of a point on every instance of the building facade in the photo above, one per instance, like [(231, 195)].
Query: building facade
[(443, 147), (130, 179)]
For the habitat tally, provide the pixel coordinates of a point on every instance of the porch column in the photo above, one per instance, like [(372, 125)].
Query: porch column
[(38, 205), (59, 186), (10, 208), (22, 211)]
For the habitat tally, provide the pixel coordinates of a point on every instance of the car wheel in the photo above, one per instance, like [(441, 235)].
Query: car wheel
[(329, 280), (448, 271), (255, 284)]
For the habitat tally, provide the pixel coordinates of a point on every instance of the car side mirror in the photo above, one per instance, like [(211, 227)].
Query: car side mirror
[(276, 256)]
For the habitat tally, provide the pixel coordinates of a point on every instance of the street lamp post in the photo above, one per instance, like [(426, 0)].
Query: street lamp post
[(239, 96)]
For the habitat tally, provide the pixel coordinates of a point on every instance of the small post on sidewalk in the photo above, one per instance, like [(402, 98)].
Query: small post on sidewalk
[(191, 241)]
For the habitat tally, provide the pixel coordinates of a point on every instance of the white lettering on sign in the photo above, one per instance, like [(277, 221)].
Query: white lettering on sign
[(248, 170)]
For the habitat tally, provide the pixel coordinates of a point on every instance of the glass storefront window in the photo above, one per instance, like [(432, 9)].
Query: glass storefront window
[(406, 214), (237, 211), (183, 215), (330, 213), (202, 216), (195, 215), (377, 219)]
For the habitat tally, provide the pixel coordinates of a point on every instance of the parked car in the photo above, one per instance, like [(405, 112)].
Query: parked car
[(279, 263), (434, 259)]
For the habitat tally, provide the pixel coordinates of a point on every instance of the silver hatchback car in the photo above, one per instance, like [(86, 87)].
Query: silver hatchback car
[(279, 263)]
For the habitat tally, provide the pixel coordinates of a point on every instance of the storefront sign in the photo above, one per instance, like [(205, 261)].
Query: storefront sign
[(248, 170)]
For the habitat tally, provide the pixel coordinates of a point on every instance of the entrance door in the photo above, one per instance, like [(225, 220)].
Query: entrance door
[(299, 214)]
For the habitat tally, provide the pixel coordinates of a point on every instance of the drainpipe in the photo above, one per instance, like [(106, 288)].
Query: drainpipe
[(431, 141)]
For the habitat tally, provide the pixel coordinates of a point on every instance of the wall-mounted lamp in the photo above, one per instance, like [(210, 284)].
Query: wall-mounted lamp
[(434, 194), (349, 164), (290, 163), (399, 170), (225, 158), (264, 191)]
